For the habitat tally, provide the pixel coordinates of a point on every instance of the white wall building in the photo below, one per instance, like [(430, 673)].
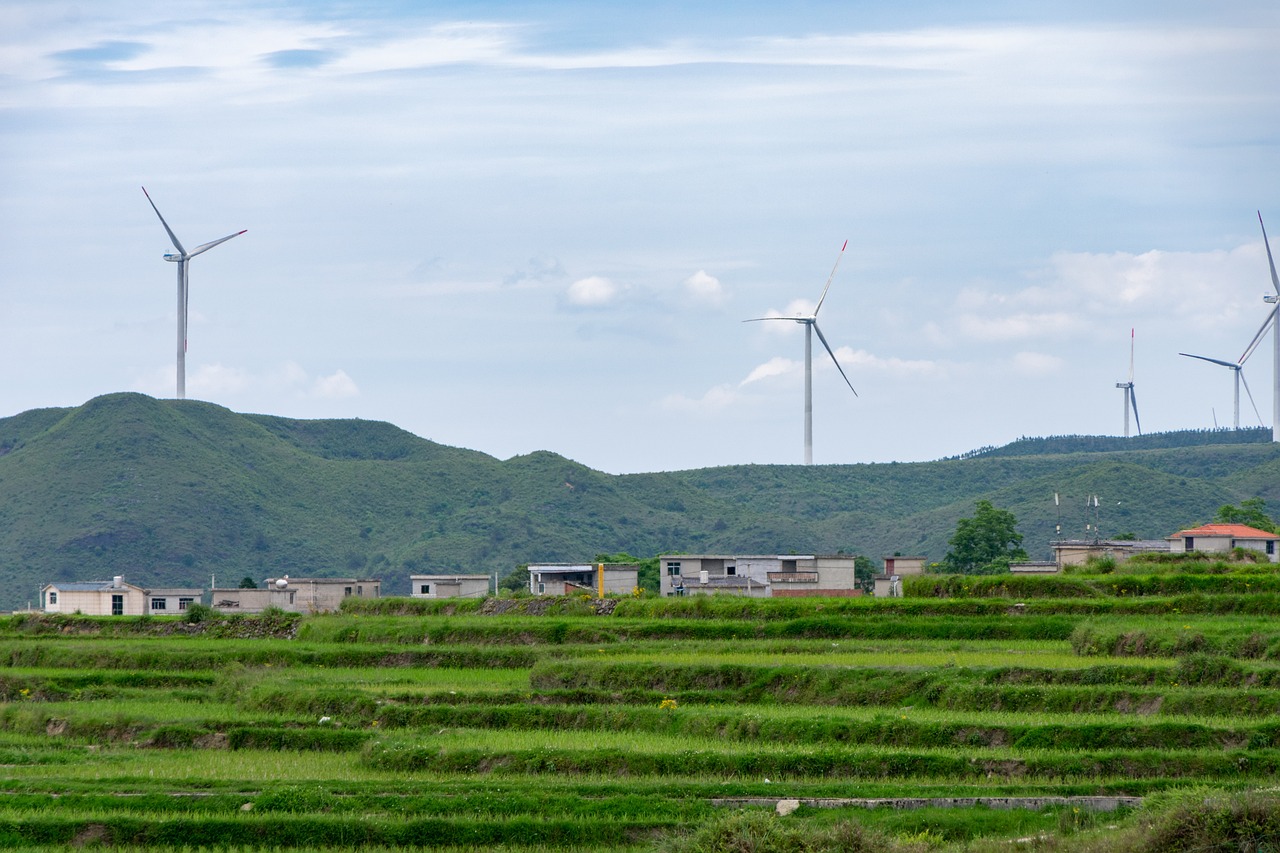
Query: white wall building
[(758, 576)]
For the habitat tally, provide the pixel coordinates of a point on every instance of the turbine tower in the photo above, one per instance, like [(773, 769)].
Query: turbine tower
[(181, 259), (810, 323), (1130, 401), (1272, 299)]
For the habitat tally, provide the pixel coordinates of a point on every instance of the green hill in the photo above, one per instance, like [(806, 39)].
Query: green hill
[(169, 492)]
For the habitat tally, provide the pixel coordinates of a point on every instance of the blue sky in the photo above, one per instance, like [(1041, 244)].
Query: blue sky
[(526, 226)]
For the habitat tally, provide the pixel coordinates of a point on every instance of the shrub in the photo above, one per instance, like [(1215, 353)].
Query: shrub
[(198, 613)]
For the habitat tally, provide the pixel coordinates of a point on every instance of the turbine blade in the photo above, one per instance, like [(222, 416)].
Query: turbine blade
[(207, 246), (1230, 364), (833, 358), (1275, 280), (172, 236), (762, 319), (1251, 402), (1133, 402), (1131, 357), (1262, 332), (829, 279)]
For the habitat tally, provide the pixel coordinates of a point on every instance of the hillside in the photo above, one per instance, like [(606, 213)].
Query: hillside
[(171, 492)]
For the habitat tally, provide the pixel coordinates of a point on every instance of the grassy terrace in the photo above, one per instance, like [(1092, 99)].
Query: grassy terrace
[(410, 724)]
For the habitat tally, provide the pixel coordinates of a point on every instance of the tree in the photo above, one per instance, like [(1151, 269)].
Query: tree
[(1251, 512), (247, 582), (864, 572), (986, 543)]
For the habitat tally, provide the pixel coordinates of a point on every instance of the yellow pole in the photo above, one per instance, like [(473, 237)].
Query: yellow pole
[(600, 580)]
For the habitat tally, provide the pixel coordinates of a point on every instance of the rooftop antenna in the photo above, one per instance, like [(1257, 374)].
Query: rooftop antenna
[(810, 323), (181, 258), (1057, 508), (1130, 401)]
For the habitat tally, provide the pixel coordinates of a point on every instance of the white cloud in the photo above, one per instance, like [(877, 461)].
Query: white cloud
[(705, 288), (592, 292), (776, 366), (715, 400), (334, 386), (863, 361), (234, 386), (1036, 364)]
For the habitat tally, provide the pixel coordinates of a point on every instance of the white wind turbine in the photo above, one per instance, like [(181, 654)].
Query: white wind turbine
[(810, 323), (1130, 401), (1237, 367), (1271, 322), (181, 259)]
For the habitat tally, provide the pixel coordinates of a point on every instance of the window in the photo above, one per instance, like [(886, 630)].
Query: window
[(347, 591), (731, 571), (425, 589), (1189, 543), (159, 604), (542, 587), (1271, 546), (360, 591), (53, 595), (673, 568), (117, 605), (183, 602)]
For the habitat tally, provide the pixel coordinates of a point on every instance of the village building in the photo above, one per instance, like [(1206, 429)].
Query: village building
[(1222, 538), (580, 578), (296, 595), (115, 597), (888, 584), (1076, 552), (757, 576), (448, 586)]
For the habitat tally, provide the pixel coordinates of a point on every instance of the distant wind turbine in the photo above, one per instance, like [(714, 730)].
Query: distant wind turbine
[(181, 259), (810, 323), (1271, 322), (1130, 401), (1237, 367)]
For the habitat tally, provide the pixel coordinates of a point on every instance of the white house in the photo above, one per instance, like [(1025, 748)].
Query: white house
[(115, 597), (1221, 538), (758, 576), (448, 586)]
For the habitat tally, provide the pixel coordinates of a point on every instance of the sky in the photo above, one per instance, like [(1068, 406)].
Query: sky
[(515, 227)]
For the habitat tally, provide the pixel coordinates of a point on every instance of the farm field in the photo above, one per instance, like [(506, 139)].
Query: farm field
[(673, 725)]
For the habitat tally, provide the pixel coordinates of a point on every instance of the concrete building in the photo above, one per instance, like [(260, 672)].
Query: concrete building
[(94, 598), (448, 586), (1075, 552), (898, 565), (1222, 538), (115, 597), (758, 576), (1035, 567), (579, 578), (296, 595)]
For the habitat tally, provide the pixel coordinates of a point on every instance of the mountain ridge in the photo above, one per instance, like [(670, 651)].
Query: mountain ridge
[(170, 493)]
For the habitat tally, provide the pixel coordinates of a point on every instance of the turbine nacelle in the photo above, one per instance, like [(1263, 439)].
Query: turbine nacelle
[(172, 258)]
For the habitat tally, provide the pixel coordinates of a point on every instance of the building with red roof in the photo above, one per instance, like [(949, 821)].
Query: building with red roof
[(1218, 538)]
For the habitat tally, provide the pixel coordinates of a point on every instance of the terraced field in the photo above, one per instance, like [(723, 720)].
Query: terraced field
[(1109, 721)]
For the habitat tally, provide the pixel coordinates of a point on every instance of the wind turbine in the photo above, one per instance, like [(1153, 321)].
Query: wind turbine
[(1270, 322), (181, 258), (1130, 401), (810, 323), (1238, 368)]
